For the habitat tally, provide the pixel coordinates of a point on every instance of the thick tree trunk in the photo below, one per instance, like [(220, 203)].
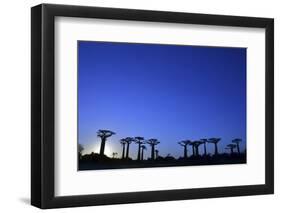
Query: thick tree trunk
[(139, 151), (196, 150), (238, 149), (127, 152), (152, 152), (123, 151), (205, 149), (216, 149), (142, 154), (185, 152), (102, 146)]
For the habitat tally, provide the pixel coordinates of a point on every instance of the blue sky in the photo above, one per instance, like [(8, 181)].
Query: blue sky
[(168, 92)]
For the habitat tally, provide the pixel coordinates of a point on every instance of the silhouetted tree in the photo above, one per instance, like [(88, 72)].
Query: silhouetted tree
[(123, 143), (156, 153), (231, 147), (128, 140), (196, 146), (114, 154), (80, 149), (152, 142), (215, 142), (237, 141), (192, 144), (184, 143), (143, 147), (204, 141), (139, 141), (104, 134)]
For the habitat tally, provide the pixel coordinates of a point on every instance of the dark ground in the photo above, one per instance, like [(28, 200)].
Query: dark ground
[(95, 162)]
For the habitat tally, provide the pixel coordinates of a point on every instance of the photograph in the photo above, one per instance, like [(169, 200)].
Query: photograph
[(149, 105), (144, 105)]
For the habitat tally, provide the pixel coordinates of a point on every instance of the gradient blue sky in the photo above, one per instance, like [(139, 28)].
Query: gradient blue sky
[(168, 92)]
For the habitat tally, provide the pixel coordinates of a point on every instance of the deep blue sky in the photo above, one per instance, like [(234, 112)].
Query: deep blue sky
[(168, 92)]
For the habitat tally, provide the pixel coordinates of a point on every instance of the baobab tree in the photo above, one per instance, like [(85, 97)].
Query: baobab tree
[(143, 147), (237, 141), (128, 140), (104, 134), (184, 143), (123, 144), (139, 141), (204, 141), (196, 145), (152, 142), (215, 142), (192, 144), (231, 147)]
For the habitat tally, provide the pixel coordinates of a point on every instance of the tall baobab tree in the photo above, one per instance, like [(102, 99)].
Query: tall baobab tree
[(139, 141), (123, 143), (152, 142), (215, 142), (192, 144), (143, 147), (156, 153), (196, 146), (128, 140), (231, 147), (204, 141), (237, 141), (104, 134), (184, 143)]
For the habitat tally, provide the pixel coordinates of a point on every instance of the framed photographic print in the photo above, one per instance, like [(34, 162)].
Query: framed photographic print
[(140, 106)]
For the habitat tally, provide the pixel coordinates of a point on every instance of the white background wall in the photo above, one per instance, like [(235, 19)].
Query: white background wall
[(15, 105)]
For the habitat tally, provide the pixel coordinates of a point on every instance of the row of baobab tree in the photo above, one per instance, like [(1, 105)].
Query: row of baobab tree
[(140, 141), (196, 144)]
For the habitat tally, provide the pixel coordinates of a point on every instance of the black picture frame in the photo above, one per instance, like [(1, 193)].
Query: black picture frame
[(43, 110)]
